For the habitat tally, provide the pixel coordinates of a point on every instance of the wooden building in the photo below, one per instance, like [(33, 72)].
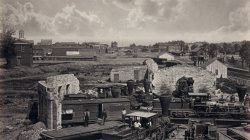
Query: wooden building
[(73, 110), (240, 76), (198, 55), (216, 67), (123, 74)]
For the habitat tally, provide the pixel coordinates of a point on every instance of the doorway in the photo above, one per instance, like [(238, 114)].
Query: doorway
[(100, 109), (116, 77)]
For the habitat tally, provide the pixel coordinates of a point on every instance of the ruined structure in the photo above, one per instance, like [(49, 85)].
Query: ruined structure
[(123, 74), (51, 94), (165, 79)]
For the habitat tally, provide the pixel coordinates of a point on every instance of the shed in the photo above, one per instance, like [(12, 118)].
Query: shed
[(216, 67), (167, 56)]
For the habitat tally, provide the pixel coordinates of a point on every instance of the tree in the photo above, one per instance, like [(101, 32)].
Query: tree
[(194, 46), (7, 41), (185, 49), (245, 53), (212, 50), (236, 47), (144, 50), (232, 60)]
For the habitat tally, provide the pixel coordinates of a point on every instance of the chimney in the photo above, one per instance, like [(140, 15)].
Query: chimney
[(21, 34)]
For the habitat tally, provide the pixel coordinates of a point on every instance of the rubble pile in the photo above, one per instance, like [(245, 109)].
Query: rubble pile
[(32, 132)]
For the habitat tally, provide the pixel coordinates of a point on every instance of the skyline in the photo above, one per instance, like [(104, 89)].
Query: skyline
[(141, 22)]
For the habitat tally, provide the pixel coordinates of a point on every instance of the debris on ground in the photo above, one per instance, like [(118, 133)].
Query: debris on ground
[(32, 132)]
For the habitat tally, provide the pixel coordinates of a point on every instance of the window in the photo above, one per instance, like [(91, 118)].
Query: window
[(67, 89), (59, 89), (22, 48), (136, 74), (50, 89), (67, 111), (67, 114), (216, 72), (116, 77)]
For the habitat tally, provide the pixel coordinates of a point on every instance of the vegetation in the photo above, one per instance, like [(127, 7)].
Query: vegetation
[(244, 53), (7, 41)]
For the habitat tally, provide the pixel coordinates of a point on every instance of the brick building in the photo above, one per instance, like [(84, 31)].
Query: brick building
[(24, 52)]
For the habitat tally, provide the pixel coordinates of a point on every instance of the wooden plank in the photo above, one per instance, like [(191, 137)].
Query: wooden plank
[(80, 130)]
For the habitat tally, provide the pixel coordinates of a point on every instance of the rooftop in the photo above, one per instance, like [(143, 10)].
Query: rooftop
[(141, 114), (125, 68), (75, 132), (204, 65), (94, 101), (196, 49)]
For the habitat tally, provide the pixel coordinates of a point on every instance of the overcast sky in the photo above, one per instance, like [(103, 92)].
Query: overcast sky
[(128, 21)]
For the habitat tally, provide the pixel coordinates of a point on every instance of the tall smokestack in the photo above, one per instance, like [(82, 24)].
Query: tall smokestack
[(241, 90), (131, 86), (165, 101)]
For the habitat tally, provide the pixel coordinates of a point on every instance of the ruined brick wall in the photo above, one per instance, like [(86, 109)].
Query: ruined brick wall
[(63, 84), (51, 93), (165, 79)]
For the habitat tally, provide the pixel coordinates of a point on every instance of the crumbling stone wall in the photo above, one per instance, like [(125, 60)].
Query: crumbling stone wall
[(165, 79), (51, 93)]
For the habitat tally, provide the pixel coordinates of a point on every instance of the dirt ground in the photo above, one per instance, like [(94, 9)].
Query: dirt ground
[(19, 85)]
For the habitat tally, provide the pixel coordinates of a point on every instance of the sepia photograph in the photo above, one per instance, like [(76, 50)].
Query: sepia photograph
[(124, 70)]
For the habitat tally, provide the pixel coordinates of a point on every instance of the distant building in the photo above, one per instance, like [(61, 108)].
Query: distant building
[(171, 47), (45, 42), (71, 51), (47, 49), (216, 67), (45, 45), (123, 74), (100, 48), (166, 56), (240, 76), (24, 53), (38, 54), (21, 52), (198, 55), (114, 45)]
